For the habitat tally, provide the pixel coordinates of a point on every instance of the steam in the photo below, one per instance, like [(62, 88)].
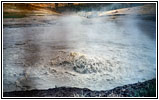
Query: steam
[(119, 41)]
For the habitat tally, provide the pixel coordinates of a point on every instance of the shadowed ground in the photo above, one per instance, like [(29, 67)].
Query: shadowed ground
[(145, 89)]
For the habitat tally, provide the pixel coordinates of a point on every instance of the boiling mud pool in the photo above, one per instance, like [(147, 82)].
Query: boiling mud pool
[(98, 53)]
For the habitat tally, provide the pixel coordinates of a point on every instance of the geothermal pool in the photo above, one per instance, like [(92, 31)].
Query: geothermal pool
[(99, 53)]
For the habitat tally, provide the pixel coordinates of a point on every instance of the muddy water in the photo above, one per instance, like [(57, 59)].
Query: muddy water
[(98, 53)]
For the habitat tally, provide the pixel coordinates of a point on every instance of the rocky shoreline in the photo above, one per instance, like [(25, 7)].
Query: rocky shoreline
[(140, 89)]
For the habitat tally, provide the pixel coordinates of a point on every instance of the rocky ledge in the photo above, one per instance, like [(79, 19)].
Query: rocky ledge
[(140, 89)]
